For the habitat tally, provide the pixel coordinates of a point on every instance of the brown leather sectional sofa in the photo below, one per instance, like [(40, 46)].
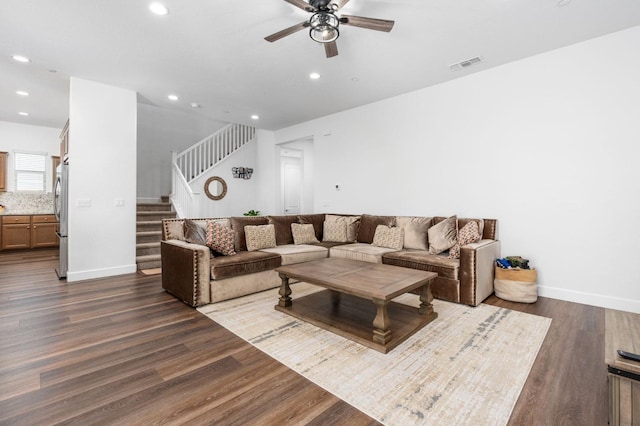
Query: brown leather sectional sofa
[(194, 275)]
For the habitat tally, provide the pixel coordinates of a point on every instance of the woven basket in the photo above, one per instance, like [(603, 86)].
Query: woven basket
[(516, 285)]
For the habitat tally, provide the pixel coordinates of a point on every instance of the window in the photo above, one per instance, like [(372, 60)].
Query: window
[(30, 169)]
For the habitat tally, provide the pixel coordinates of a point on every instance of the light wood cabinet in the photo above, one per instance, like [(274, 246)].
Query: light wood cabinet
[(16, 232), (29, 231), (3, 171)]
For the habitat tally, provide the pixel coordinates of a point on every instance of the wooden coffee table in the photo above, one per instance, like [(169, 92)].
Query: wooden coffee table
[(357, 301)]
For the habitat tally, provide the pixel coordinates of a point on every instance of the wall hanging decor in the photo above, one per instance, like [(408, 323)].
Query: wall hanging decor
[(242, 172)]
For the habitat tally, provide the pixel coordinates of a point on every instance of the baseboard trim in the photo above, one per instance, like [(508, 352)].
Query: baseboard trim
[(592, 299), (100, 273)]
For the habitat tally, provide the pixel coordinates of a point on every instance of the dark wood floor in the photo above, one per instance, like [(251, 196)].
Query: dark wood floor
[(122, 351)]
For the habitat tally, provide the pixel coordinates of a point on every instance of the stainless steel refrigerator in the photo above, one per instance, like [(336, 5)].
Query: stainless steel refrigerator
[(61, 210)]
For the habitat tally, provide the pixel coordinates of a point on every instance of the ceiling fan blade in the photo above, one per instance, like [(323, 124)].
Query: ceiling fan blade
[(369, 23), (301, 4), (339, 4), (331, 49), (287, 31)]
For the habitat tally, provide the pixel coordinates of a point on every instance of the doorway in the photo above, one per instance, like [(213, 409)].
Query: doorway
[(292, 180)]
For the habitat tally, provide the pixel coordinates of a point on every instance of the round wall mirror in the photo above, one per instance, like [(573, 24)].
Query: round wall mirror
[(215, 187)]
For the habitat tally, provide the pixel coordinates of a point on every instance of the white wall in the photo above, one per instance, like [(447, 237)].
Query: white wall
[(547, 145), (36, 139), (160, 131), (102, 170)]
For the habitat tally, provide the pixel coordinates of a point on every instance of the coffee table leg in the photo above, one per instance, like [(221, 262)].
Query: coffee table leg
[(285, 292), (381, 323), (426, 298)]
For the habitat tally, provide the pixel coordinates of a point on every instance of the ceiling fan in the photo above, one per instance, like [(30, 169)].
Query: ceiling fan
[(323, 24)]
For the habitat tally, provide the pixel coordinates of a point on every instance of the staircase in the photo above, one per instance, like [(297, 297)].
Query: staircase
[(149, 232), (199, 159)]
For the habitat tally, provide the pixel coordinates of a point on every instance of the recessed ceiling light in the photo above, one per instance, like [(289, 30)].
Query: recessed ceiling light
[(26, 114), (255, 117), (22, 93), (314, 76), (195, 105), (173, 97), (158, 9), (21, 58)]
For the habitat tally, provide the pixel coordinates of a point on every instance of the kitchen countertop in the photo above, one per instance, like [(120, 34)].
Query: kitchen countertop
[(25, 213)]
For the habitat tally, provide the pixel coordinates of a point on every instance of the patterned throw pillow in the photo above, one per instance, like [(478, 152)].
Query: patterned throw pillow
[(387, 236), (220, 238), (303, 233), (335, 231), (470, 233), (352, 222), (260, 236), (443, 235)]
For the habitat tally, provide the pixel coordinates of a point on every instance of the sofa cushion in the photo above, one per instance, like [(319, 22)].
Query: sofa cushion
[(390, 237), (443, 235), (238, 224), (369, 224), (317, 220), (260, 236), (303, 233), (420, 259), (220, 238), (282, 225), (353, 223), (468, 234), (360, 251), (292, 253), (415, 231), (195, 233), (335, 232), (243, 263)]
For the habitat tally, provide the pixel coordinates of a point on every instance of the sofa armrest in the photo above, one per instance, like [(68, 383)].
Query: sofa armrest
[(477, 268), (186, 271)]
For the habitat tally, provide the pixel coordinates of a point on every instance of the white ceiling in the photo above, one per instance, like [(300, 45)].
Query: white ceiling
[(214, 53)]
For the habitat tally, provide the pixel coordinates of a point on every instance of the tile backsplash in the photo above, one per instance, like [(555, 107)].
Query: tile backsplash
[(23, 203)]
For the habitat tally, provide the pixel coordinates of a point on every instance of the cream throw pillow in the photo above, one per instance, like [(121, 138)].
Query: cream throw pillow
[(415, 231), (352, 222), (443, 236), (390, 237), (335, 232), (303, 233), (260, 236)]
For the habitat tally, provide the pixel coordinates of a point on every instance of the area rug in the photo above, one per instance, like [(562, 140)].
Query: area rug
[(467, 367)]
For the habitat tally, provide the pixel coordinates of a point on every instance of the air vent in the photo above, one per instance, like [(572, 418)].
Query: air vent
[(465, 64)]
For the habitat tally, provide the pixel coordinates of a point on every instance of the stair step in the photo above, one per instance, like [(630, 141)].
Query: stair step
[(150, 261), (154, 215), (145, 249), (147, 207), (148, 237), (149, 225)]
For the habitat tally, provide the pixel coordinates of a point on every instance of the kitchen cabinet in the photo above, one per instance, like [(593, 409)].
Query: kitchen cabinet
[(29, 231), (3, 171), (64, 142), (43, 231)]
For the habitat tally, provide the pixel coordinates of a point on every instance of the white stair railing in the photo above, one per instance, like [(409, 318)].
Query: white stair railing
[(213, 149), (198, 160)]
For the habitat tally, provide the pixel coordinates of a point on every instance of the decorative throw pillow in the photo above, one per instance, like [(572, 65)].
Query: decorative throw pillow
[(415, 231), (194, 233), (443, 235), (220, 238), (387, 236), (335, 231), (260, 236), (470, 233), (303, 233), (352, 222)]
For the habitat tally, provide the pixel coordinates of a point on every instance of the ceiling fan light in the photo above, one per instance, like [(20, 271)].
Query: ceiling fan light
[(324, 27)]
